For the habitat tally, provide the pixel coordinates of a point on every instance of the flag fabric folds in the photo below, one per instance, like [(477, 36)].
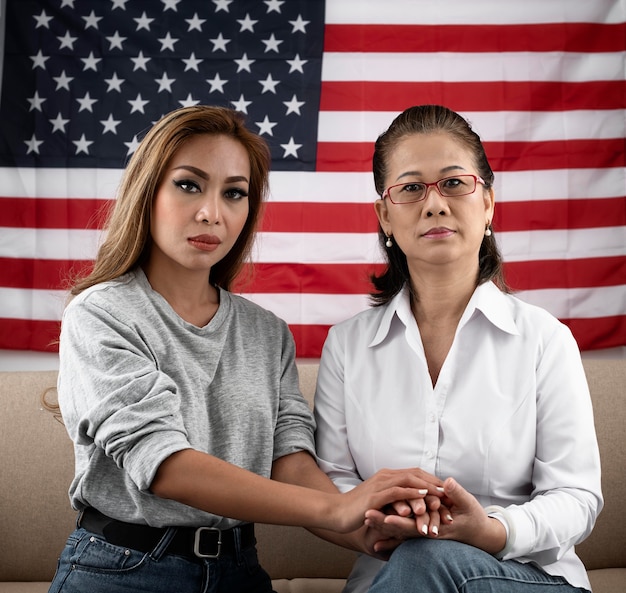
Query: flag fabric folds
[(543, 83)]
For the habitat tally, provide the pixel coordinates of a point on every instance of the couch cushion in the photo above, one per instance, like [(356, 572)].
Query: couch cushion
[(309, 586), (608, 580), (33, 587), (36, 466), (606, 546)]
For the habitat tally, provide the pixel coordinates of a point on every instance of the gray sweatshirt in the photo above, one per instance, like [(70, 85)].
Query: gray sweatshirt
[(138, 383)]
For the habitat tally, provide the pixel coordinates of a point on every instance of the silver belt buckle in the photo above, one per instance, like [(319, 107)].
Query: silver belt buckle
[(196, 542)]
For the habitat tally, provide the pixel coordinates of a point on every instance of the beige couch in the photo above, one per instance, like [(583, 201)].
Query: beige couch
[(36, 466)]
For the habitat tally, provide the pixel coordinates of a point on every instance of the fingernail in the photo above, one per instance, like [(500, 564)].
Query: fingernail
[(424, 530), (435, 530), (449, 517), (423, 491), (440, 489)]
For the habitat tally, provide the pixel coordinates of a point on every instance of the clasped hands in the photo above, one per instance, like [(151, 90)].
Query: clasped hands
[(446, 511)]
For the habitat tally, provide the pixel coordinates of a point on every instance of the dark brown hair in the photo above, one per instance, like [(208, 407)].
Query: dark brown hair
[(429, 119), (127, 243)]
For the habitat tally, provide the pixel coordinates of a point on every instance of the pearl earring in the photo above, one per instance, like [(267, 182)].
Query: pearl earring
[(488, 231), (389, 242)]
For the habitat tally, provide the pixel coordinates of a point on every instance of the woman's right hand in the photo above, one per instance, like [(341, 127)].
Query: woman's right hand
[(386, 487)]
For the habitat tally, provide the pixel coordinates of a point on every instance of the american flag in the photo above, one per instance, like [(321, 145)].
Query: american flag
[(543, 83)]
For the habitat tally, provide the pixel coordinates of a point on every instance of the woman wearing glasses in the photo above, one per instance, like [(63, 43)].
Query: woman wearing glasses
[(451, 373)]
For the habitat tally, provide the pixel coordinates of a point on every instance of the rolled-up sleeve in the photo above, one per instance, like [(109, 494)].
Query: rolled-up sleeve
[(295, 425), (113, 396)]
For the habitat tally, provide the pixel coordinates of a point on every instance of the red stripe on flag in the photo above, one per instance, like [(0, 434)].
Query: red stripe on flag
[(580, 273), (503, 156), (599, 332), (308, 278), (548, 215), (319, 217), (63, 213), (354, 278), (41, 274), (556, 154), (331, 217), (473, 96), (336, 278), (309, 339), (344, 156), (546, 37), (28, 334)]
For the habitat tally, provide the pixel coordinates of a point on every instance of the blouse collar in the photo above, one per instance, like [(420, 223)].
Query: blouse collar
[(487, 300)]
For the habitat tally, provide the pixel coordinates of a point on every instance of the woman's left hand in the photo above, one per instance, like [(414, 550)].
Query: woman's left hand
[(467, 521), (471, 524)]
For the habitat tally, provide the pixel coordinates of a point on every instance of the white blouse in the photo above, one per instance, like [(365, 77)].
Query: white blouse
[(510, 418)]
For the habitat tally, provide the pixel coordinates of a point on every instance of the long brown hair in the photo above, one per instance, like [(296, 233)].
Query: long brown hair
[(127, 243), (428, 119)]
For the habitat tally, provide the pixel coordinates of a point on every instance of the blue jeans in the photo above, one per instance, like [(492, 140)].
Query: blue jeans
[(89, 563), (442, 566)]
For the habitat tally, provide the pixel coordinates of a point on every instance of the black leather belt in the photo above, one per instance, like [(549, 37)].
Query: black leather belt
[(192, 542)]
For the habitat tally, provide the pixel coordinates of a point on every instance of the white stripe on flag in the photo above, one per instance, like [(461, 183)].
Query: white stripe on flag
[(473, 67), (562, 244), (333, 187), (21, 303), (59, 183), (64, 244), (325, 309), (311, 309), (477, 12), (345, 248), (491, 126), (560, 184), (579, 303)]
